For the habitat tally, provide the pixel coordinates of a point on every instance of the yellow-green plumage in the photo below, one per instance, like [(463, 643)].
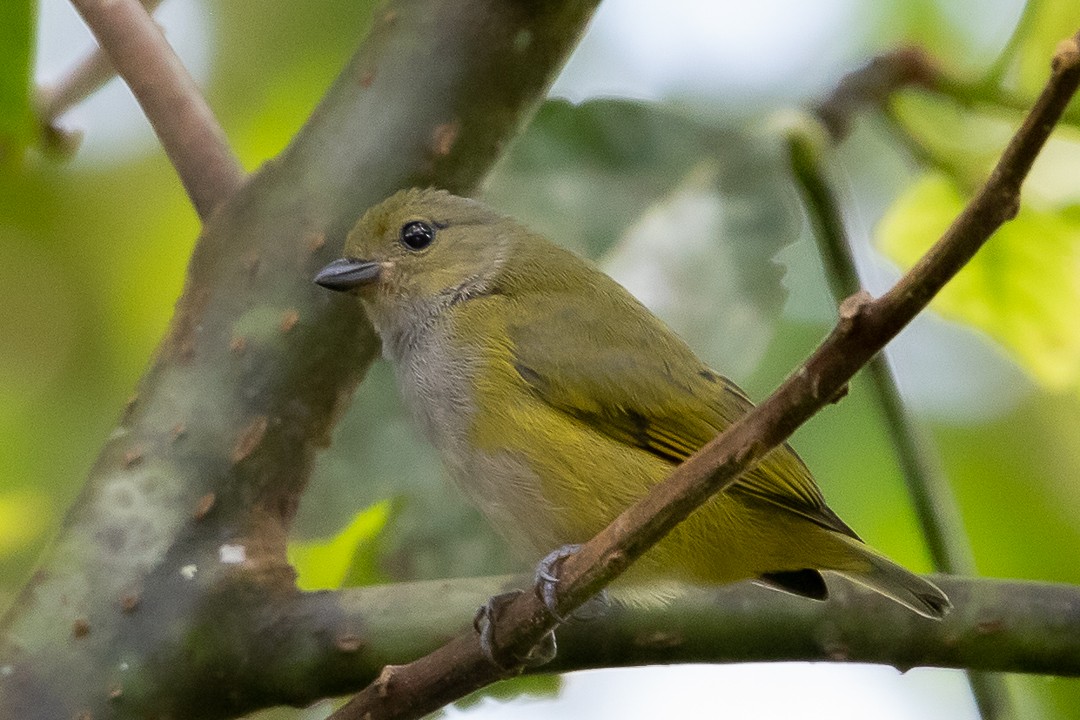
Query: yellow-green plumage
[(556, 400)]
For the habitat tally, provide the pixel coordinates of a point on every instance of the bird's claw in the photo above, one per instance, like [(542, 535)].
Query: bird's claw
[(546, 586), (484, 624), (547, 577)]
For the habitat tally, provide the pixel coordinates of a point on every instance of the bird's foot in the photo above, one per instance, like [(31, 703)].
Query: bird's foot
[(484, 624), (547, 577), (546, 581)]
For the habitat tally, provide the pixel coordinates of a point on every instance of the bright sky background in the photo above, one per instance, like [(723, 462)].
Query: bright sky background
[(772, 691)]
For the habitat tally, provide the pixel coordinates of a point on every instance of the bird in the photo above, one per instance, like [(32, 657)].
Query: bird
[(555, 400)]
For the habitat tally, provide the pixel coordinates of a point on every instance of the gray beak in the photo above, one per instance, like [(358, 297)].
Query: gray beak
[(347, 273)]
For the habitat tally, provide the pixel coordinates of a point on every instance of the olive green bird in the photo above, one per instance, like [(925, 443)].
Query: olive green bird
[(556, 400)]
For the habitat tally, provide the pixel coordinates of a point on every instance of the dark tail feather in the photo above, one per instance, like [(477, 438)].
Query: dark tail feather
[(806, 583)]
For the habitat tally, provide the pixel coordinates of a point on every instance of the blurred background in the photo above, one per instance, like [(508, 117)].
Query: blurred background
[(660, 158)]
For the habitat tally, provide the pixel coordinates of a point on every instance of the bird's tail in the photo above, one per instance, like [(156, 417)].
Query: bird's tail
[(897, 583)]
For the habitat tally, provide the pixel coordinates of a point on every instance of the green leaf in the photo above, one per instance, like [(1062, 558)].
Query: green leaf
[(1022, 288), (965, 142), (345, 559), (16, 49), (960, 140), (1051, 22), (23, 517)]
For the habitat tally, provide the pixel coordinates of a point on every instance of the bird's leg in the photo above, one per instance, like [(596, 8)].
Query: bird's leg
[(484, 624), (547, 576), (546, 580)]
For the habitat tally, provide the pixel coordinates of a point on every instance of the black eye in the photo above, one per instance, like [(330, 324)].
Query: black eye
[(417, 235)]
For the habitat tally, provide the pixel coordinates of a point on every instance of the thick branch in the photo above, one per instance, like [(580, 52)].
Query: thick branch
[(316, 645), (174, 554), (865, 326), (184, 123), (1006, 625)]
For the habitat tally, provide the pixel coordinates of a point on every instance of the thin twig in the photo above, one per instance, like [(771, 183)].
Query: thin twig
[(82, 81), (874, 83), (865, 326), (184, 123), (936, 507)]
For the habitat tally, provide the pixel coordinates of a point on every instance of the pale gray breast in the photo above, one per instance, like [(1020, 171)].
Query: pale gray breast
[(435, 378)]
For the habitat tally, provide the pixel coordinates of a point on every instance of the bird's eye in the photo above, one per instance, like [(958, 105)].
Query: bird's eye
[(417, 235)]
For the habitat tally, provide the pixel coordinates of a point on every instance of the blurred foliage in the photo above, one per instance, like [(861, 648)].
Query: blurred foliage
[(965, 34), (524, 686), (274, 61), (16, 51), (1044, 25), (345, 560), (691, 210)]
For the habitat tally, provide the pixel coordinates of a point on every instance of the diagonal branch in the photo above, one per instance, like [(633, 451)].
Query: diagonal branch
[(184, 123), (935, 504), (82, 81), (865, 326)]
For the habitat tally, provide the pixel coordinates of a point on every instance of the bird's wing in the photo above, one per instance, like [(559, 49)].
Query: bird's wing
[(641, 385)]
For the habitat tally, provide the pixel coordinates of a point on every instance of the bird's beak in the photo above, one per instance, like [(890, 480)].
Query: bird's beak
[(347, 274)]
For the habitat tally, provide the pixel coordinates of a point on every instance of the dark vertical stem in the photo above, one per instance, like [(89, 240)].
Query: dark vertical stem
[(935, 504)]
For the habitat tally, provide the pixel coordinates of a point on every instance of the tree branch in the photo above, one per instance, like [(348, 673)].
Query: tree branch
[(1005, 626), (84, 79), (309, 646), (873, 84), (865, 326), (184, 123)]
